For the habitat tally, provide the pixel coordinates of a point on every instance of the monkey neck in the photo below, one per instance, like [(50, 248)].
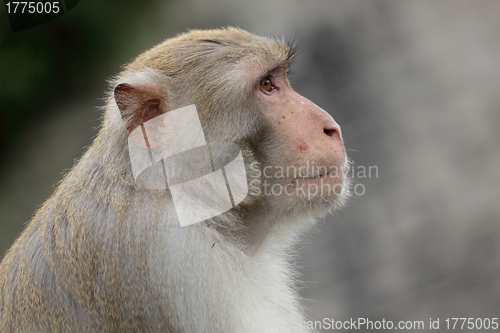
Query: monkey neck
[(263, 230), (257, 229)]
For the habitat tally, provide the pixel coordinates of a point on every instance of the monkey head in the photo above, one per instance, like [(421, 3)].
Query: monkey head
[(293, 152)]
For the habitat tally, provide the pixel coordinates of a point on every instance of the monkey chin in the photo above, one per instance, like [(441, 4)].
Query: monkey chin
[(310, 197)]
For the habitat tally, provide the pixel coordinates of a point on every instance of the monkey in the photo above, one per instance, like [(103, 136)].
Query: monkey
[(107, 252)]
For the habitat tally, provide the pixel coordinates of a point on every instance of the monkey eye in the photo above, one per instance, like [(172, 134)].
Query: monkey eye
[(267, 85)]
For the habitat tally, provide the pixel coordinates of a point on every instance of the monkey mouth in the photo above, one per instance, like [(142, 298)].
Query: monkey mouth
[(314, 177), (333, 174)]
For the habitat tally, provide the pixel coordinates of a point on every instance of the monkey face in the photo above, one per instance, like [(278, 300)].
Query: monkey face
[(306, 166)]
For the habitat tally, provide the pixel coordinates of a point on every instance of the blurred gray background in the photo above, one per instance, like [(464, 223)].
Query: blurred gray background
[(415, 86)]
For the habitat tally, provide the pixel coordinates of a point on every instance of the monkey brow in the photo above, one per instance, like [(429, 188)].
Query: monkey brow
[(293, 48), (283, 67)]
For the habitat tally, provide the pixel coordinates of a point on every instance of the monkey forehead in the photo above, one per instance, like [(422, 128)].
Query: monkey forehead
[(211, 53)]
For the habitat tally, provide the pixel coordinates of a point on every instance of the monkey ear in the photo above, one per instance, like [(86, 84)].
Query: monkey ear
[(139, 103)]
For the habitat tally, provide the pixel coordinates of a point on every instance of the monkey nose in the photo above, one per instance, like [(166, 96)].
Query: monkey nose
[(332, 129), (334, 136)]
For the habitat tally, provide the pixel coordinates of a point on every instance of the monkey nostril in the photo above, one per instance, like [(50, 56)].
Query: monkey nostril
[(330, 132)]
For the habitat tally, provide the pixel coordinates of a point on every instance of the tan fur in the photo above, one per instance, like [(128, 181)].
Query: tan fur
[(103, 255)]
